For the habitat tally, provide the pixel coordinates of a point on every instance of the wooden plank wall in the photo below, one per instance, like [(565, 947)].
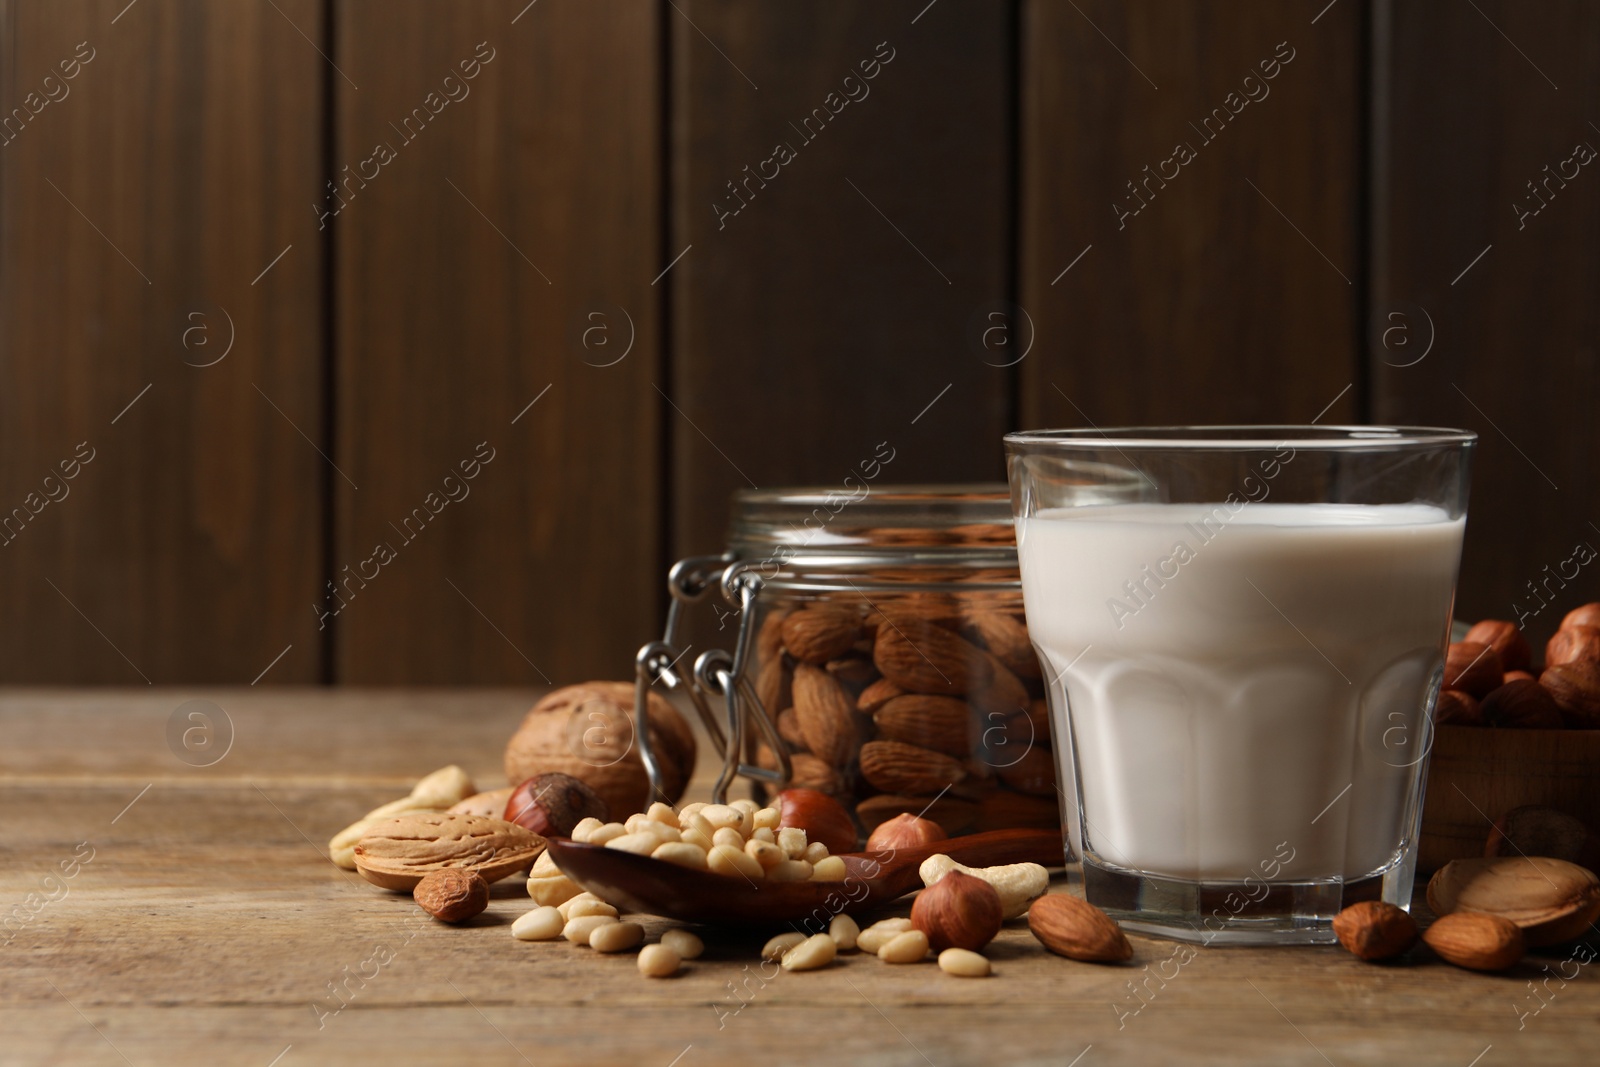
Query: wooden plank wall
[(717, 244)]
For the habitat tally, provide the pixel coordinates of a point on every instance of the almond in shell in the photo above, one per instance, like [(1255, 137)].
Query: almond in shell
[(1549, 900), (399, 853)]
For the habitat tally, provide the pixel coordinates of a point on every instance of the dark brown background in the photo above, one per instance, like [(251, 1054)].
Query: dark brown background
[(849, 294)]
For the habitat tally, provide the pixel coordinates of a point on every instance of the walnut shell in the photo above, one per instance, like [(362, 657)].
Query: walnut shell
[(397, 854), (587, 731)]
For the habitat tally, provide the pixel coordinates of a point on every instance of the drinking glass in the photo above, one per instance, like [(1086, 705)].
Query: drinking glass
[(1241, 663)]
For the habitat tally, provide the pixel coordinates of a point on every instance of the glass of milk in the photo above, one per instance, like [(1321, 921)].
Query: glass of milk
[(1241, 661)]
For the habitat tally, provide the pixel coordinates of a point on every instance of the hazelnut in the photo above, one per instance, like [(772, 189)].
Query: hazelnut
[(1375, 930), (904, 831), (1473, 668), (452, 894), (1571, 644), (1505, 639), (551, 805), (1458, 709), (823, 818), (1584, 615), (1575, 687), (958, 911), (1522, 704), (1532, 830), (1512, 676)]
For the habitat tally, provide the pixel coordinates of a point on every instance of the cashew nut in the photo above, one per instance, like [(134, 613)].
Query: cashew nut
[(1019, 884)]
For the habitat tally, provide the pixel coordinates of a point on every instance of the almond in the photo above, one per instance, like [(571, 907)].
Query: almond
[(1001, 694), (789, 730), (1375, 930), (915, 610), (855, 673), (812, 773), (1476, 940), (1076, 929), (1034, 773), (821, 632), (1550, 900), (924, 658), (1007, 639), (826, 714), (943, 724), (1575, 687), (877, 695), (774, 685), (769, 640), (399, 853), (896, 767)]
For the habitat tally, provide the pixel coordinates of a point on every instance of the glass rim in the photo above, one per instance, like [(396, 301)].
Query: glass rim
[(1249, 437)]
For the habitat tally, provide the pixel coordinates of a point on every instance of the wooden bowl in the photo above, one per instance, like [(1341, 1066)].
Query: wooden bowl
[(1477, 774)]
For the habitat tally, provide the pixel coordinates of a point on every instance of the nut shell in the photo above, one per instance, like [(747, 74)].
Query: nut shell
[(452, 895), (399, 853), (1550, 900), (1459, 709), (587, 731), (1375, 930), (904, 831), (1076, 929), (551, 805)]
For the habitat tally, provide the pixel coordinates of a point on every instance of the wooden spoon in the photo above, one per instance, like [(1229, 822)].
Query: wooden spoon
[(655, 887)]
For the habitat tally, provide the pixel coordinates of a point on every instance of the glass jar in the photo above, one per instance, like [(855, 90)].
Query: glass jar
[(892, 654)]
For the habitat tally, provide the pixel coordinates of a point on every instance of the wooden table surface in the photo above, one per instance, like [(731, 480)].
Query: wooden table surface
[(203, 924)]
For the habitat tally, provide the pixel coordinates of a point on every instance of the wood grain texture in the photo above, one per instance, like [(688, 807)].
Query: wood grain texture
[(1211, 300), (208, 928), (140, 206), (516, 202), (1473, 118), (827, 313)]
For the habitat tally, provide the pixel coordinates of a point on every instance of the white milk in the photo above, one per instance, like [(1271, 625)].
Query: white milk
[(1242, 680)]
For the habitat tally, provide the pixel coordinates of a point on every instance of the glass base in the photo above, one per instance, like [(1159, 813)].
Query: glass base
[(1235, 913)]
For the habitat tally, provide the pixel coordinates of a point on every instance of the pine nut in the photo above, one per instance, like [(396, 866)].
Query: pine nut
[(540, 924), (552, 889), (727, 835), (810, 954), (908, 947), (663, 813), (658, 961), (685, 944), (881, 933), (697, 839), (688, 810), (721, 815), (844, 932), (790, 871), (792, 840), (697, 823), (578, 930), (828, 869), (642, 843), (565, 907), (581, 832), (659, 830), (605, 832), (682, 853), (724, 859), (762, 833), (769, 856), (768, 819), (616, 937), (816, 852), (774, 949), (577, 909), (745, 804), (962, 963)]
